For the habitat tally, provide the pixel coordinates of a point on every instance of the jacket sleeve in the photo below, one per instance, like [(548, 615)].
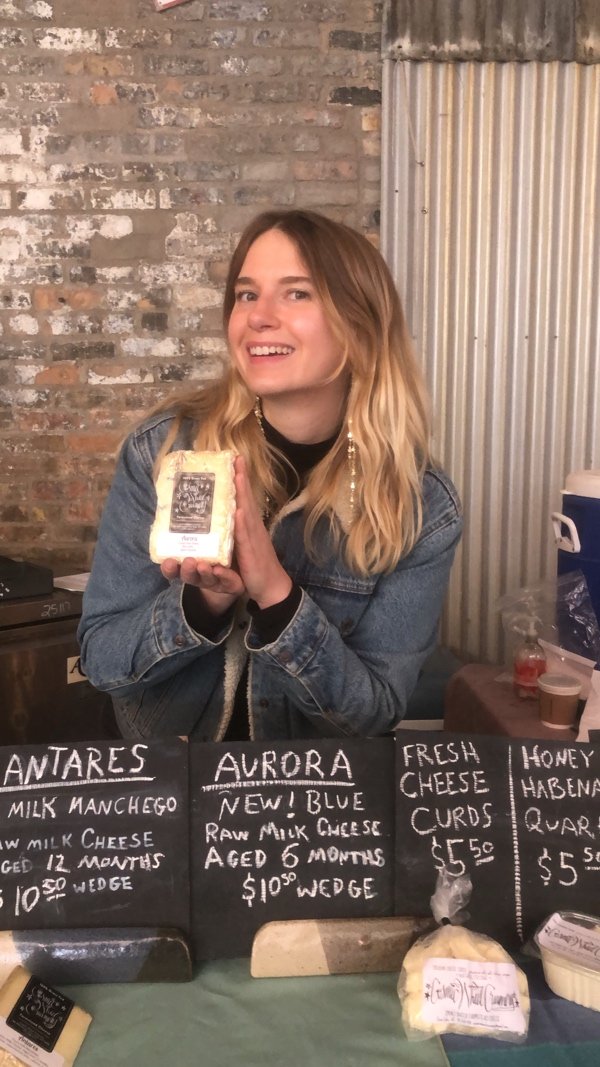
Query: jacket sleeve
[(133, 632), (356, 678)]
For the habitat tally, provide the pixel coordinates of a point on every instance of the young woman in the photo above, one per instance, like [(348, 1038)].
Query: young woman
[(344, 529)]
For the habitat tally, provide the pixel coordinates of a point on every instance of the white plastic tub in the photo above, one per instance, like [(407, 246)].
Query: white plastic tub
[(569, 945)]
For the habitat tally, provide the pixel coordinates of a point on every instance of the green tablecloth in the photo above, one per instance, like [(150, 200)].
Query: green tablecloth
[(225, 1018)]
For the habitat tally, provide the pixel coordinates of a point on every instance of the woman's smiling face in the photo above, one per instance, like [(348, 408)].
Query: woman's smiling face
[(278, 333)]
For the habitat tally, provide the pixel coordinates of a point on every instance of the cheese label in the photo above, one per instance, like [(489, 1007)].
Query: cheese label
[(472, 993), (576, 941), (25, 1051), (192, 505), (195, 507), (34, 1025)]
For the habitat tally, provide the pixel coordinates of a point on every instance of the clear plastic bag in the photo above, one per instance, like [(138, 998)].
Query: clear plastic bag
[(564, 620), (456, 981)]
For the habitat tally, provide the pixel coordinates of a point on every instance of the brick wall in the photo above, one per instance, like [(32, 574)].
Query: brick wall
[(134, 146)]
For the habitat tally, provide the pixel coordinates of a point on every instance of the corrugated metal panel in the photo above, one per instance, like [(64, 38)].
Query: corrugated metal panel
[(491, 207), (493, 30)]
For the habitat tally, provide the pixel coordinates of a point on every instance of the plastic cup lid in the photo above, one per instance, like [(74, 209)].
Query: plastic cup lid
[(583, 483), (559, 684)]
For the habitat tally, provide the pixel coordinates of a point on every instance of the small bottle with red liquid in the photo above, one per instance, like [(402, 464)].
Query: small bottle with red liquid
[(529, 663)]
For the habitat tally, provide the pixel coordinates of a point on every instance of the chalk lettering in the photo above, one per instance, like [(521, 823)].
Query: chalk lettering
[(49, 844), (125, 805), (442, 783), (553, 788), (146, 861), (317, 801), (331, 887), (217, 833), (270, 766), (234, 858), (439, 754), (283, 833), (329, 828), (21, 866), (62, 763), (40, 808), (357, 857), (426, 821), (536, 822), (113, 884), (547, 758), (91, 839), (256, 803)]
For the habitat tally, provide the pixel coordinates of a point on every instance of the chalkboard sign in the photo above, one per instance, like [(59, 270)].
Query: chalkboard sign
[(288, 830), (218, 839), (522, 817), (94, 835)]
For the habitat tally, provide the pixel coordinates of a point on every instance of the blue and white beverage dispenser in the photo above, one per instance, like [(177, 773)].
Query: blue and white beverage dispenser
[(577, 530)]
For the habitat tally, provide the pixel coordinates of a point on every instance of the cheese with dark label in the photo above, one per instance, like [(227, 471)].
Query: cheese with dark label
[(195, 508), (38, 1024)]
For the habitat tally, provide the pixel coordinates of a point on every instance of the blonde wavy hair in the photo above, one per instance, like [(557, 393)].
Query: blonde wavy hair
[(387, 399)]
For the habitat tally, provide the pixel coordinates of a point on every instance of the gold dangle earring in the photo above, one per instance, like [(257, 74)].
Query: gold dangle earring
[(351, 455), (268, 503), (258, 415)]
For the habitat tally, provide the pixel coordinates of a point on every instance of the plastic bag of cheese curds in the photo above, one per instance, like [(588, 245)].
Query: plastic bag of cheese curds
[(457, 981)]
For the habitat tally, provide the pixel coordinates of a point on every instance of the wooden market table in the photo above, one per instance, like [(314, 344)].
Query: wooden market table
[(477, 702)]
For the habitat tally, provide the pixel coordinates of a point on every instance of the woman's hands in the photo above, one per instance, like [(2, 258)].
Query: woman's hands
[(264, 578), (219, 586), (257, 570)]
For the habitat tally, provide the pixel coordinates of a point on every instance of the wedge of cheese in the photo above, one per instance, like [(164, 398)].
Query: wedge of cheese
[(195, 508), (38, 1025)]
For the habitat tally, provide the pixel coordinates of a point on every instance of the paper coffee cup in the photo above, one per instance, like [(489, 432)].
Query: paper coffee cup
[(559, 700)]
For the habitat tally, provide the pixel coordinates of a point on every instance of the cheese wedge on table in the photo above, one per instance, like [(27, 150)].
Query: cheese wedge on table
[(195, 507), (38, 1025)]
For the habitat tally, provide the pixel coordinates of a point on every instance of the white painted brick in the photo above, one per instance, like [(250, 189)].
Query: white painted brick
[(21, 173), (171, 273), (38, 9), (24, 324), (133, 170), (210, 346), (11, 143), (266, 172), (115, 226), (140, 347), (186, 321), (15, 299), (38, 199), (122, 298), (110, 275), (68, 39), (206, 368), (127, 377), (118, 324), (123, 199), (26, 397), (186, 296), (26, 373), (65, 323), (209, 298)]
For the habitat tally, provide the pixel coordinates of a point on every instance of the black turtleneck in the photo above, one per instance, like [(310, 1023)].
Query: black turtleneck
[(269, 622)]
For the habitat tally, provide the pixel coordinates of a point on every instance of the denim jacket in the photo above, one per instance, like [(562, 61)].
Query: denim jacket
[(345, 664)]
